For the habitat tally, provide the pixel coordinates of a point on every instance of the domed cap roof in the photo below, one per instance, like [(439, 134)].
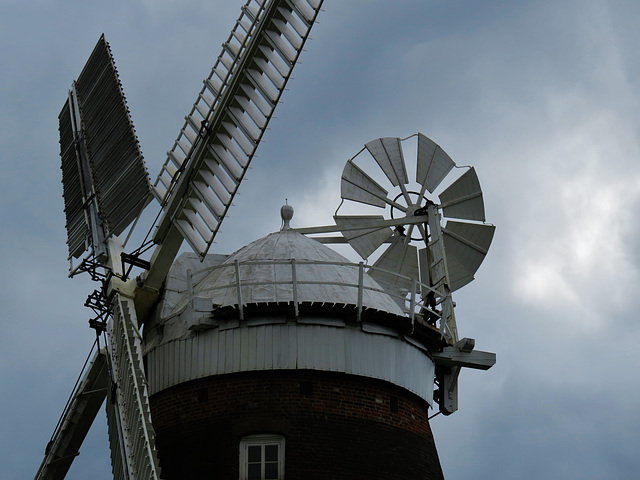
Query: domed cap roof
[(270, 267)]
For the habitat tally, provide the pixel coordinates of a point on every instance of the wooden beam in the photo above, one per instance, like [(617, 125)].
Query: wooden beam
[(455, 357)]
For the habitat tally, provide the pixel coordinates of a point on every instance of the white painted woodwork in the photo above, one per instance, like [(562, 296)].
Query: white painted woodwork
[(364, 240), (466, 245), (463, 198), (387, 152), (131, 434), (433, 163), (358, 186), (76, 420), (205, 167), (292, 346)]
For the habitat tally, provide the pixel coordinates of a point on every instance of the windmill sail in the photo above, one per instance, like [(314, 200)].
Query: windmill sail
[(397, 269), (363, 240), (105, 181), (76, 420), (451, 254), (387, 152), (356, 185), (131, 435), (223, 129), (463, 198), (433, 163), (466, 245)]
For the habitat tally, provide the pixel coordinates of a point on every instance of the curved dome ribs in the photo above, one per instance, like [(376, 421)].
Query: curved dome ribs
[(434, 251)]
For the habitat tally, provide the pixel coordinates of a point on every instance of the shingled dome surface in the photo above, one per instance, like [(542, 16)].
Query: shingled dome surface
[(267, 275)]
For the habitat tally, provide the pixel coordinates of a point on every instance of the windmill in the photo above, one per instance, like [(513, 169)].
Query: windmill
[(106, 187), (450, 254), (403, 299)]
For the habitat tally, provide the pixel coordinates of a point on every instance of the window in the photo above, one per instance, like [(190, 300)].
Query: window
[(262, 457)]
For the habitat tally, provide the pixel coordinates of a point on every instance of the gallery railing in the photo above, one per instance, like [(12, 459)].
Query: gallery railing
[(415, 298)]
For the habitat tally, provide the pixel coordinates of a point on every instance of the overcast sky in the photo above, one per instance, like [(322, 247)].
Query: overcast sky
[(542, 97)]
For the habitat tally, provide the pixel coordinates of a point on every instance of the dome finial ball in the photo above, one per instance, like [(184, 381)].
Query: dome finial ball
[(286, 213)]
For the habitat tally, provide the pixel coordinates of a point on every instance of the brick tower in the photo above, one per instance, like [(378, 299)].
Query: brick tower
[(284, 360)]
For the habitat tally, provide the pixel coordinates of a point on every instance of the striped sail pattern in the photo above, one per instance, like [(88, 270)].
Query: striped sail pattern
[(118, 466), (131, 435), (223, 129), (104, 178)]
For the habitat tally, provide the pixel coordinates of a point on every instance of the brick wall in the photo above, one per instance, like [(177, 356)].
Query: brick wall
[(336, 426)]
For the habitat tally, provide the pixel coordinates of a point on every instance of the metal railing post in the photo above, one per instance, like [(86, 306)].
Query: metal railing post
[(239, 289), (294, 280), (360, 289), (412, 303), (190, 313)]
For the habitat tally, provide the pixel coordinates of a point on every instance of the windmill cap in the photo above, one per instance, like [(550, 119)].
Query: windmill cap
[(267, 268)]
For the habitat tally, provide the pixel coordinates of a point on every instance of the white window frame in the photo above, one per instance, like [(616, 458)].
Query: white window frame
[(260, 440)]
